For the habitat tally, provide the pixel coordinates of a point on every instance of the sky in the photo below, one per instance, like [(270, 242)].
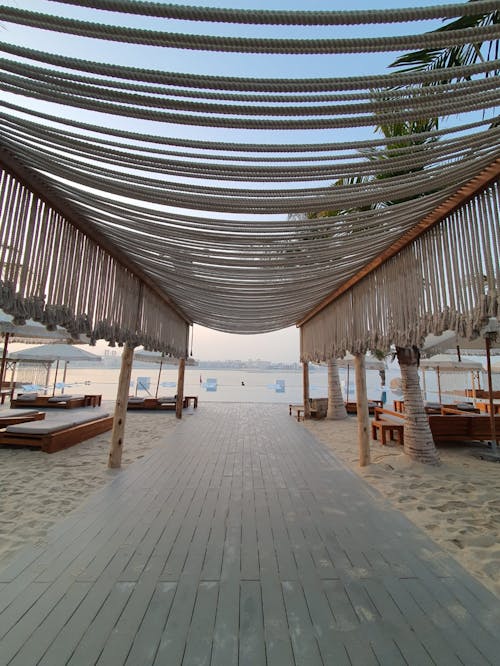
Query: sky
[(209, 345)]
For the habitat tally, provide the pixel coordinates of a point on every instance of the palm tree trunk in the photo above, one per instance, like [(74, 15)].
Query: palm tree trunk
[(336, 408), (419, 444)]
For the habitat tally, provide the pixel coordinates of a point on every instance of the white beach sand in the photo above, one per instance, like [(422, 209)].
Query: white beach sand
[(38, 489), (457, 503)]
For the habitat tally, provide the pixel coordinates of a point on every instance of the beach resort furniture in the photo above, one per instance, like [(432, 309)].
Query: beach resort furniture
[(352, 406), (5, 394), (485, 407), (61, 401), (450, 426), (58, 431), (389, 424), (298, 411), (166, 402), (188, 399), (12, 416)]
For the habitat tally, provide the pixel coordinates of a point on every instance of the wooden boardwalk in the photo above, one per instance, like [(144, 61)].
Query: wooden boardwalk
[(241, 541)]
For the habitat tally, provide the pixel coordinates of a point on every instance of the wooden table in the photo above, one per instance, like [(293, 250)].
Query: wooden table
[(187, 400)]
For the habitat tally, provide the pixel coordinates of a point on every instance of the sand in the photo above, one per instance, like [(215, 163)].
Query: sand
[(456, 503), (37, 489)]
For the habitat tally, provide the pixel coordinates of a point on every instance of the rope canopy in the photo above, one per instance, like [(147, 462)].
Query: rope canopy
[(137, 198)]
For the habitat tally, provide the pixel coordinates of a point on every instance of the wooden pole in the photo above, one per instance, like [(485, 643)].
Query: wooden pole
[(115, 451), (4, 358), (55, 378), (439, 383), (64, 375), (180, 388), (362, 410), (47, 376), (305, 386), (494, 438), (159, 375)]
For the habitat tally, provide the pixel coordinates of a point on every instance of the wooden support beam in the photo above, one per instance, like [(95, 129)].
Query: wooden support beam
[(45, 192), (362, 410), (117, 436), (460, 198), (180, 388), (305, 387)]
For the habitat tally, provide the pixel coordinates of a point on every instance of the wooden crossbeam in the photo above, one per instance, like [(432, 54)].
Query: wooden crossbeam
[(457, 200)]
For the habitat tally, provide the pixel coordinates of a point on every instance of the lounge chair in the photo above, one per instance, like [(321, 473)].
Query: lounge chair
[(59, 401), (58, 431), (12, 416), (165, 402)]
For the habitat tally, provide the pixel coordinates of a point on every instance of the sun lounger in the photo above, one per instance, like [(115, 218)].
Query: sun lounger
[(450, 426), (12, 416), (59, 401), (165, 402), (58, 431)]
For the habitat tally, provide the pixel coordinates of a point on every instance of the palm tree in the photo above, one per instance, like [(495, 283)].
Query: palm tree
[(336, 408), (419, 444), (457, 56)]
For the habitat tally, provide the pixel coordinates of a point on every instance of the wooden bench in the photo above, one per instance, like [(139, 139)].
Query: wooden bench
[(299, 411), (392, 424)]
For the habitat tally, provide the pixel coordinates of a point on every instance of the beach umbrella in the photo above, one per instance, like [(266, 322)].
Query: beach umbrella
[(56, 353), (152, 357), (450, 363), (371, 363), (31, 332)]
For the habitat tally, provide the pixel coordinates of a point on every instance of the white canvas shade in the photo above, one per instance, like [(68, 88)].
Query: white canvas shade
[(56, 353)]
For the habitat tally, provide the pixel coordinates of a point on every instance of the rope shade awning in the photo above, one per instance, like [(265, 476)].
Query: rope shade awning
[(201, 184)]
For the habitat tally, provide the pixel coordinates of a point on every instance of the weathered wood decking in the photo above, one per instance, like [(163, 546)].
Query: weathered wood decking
[(241, 541)]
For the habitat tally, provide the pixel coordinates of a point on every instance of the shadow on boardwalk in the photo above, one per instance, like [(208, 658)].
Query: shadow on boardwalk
[(242, 541)]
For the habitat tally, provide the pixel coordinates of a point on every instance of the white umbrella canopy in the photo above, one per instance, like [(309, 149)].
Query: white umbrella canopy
[(55, 353), (449, 341), (371, 363), (450, 363)]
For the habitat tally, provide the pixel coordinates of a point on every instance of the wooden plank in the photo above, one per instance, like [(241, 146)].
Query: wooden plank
[(98, 631), (251, 635), (200, 636), (148, 636), (305, 646)]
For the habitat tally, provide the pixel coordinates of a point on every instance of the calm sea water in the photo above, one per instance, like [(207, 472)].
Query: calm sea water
[(247, 385)]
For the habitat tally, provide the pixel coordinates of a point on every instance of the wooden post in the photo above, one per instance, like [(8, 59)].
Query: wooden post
[(55, 378), (180, 388), (305, 385), (159, 375), (4, 359), (362, 409), (494, 436), (115, 451)]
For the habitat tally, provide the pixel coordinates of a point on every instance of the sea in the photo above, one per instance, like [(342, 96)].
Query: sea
[(245, 385)]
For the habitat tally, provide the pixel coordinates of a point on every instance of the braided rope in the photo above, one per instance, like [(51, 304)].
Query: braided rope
[(378, 100), (426, 109), (245, 147), (285, 17), (413, 157), (429, 40), (249, 84)]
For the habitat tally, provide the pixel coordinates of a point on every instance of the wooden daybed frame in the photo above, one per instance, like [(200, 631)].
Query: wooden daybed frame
[(57, 434), (152, 403), (11, 417), (449, 426), (62, 402)]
